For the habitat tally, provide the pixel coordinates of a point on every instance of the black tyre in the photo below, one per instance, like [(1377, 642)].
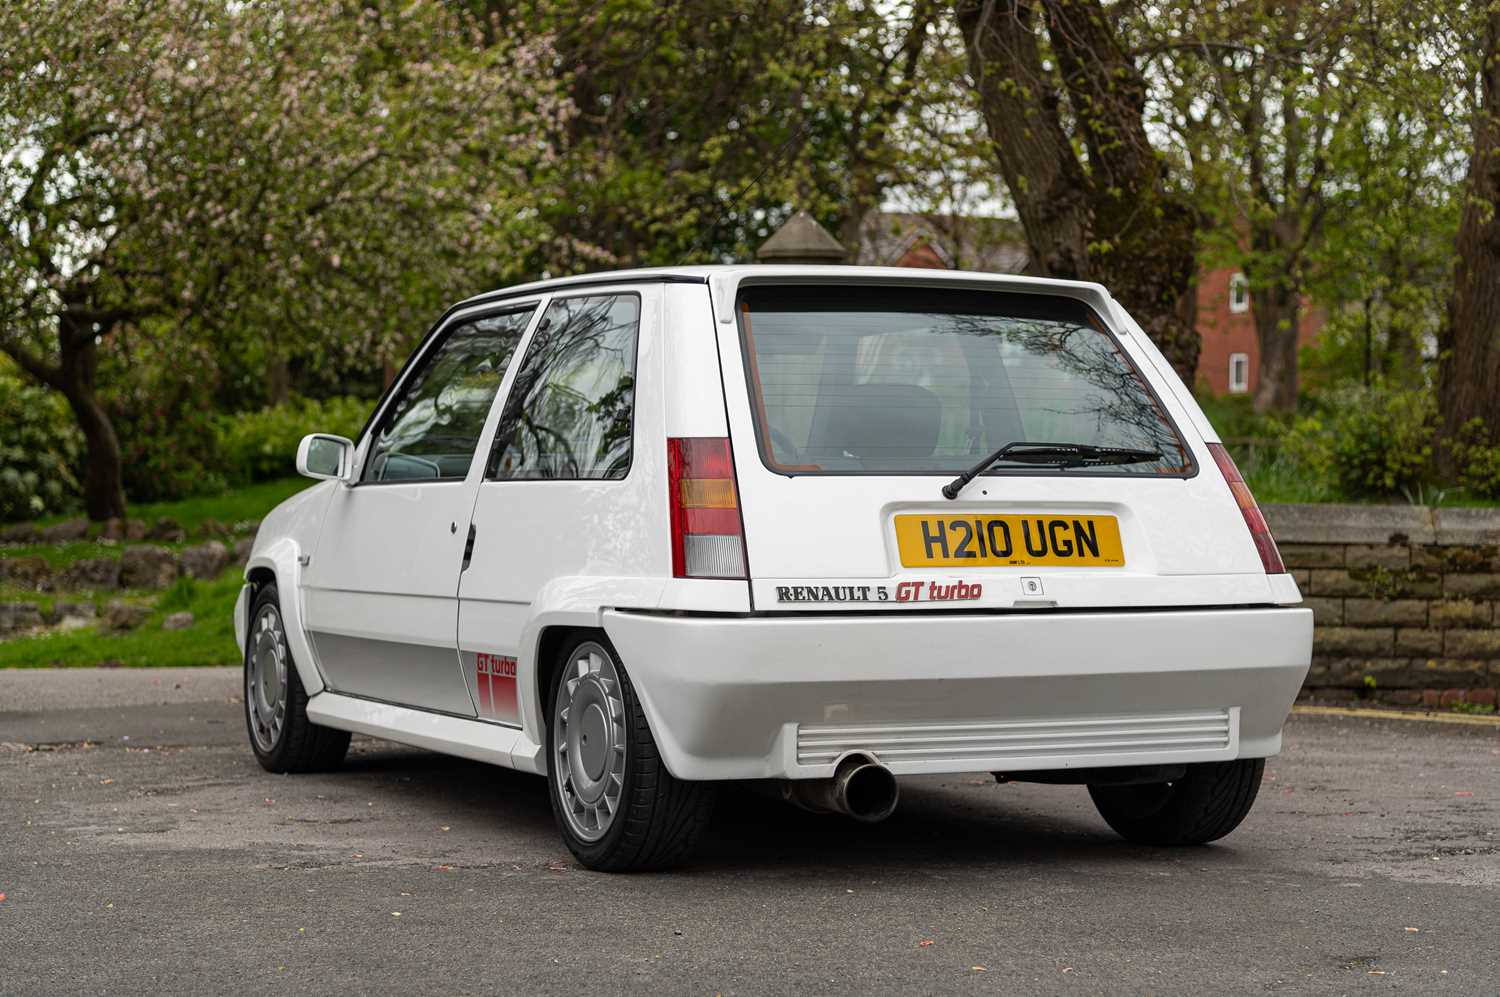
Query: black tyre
[(281, 736), (617, 806), (1207, 803)]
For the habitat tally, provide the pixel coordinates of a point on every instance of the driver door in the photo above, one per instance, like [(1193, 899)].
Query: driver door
[(381, 587)]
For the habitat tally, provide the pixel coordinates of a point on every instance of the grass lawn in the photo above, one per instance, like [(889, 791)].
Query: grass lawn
[(209, 641), (237, 505)]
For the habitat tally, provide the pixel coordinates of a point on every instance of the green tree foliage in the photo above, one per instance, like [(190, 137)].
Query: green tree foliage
[(700, 125), (1319, 136), (322, 174)]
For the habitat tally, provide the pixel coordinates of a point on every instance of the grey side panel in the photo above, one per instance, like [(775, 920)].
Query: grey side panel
[(415, 675)]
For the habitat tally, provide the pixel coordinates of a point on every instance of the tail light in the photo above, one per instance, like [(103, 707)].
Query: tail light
[(1270, 557), (708, 536)]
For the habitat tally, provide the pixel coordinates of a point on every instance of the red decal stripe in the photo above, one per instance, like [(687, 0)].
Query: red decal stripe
[(482, 680)]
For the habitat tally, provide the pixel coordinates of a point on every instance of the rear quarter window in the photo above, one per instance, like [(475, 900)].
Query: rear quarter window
[(853, 379), (571, 410)]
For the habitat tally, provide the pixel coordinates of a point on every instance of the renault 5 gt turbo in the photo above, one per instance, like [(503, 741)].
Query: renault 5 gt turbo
[(817, 527)]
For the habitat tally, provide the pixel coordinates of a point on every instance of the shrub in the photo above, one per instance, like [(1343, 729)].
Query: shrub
[(161, 399), (259, 446), (1477, 460), (41, 451), (1372, 442)]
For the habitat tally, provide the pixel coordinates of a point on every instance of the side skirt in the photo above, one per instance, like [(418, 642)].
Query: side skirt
[(482, 742)]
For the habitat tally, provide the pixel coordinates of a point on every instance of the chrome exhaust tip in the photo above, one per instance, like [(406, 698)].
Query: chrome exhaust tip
[(861, 788)]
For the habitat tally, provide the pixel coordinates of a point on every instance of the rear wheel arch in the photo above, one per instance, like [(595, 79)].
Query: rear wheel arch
[(549, 646), (655, 820), (552, 640)]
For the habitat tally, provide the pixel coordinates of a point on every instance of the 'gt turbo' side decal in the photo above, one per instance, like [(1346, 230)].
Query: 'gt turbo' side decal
[(493, 680)]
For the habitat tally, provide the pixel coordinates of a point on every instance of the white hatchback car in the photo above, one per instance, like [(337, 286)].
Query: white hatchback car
[(646, 531)]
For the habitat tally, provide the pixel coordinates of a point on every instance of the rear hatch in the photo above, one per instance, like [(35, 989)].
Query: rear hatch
[(852, 405)]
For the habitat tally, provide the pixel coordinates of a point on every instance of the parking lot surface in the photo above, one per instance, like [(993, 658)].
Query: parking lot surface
[(142, 851)]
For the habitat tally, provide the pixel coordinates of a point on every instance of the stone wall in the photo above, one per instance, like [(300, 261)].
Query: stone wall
[(1405, 600)]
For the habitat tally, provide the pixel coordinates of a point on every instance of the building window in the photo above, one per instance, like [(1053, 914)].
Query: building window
[(1239, 293), (1239, 373)]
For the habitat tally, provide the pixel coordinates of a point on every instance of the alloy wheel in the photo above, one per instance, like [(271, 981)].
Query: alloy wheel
[(588, 741), (266, 679)]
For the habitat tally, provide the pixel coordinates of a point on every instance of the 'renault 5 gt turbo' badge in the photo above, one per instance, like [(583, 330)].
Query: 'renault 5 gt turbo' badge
[(901, 592)]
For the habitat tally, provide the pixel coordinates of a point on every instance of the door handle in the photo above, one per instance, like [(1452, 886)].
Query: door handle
[(468, 548)]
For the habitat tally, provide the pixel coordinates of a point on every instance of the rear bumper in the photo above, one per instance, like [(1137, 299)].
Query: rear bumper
[(780, 697)]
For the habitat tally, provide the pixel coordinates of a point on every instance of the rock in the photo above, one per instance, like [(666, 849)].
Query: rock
[(166, 530), (249, 526), (204, 561), (242, 549), (73, 615), (214, 530), (123, 529), (18, 616), (147, 568), (20, 533), (90, 573), (120, 616), (71, 529), (178, 621), (29, 572)]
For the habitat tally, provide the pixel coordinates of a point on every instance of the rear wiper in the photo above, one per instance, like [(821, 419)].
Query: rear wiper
[(1063, 455)]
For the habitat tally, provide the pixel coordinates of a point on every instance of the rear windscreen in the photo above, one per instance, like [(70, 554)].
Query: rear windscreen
[(849, 379)]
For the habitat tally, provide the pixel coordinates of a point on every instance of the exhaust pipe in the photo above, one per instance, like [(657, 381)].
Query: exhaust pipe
[(861, 788)]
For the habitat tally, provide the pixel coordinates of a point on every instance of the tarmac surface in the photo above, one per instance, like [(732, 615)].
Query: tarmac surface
[(143, 851)]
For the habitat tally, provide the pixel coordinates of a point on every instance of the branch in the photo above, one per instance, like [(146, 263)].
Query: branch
[(31, 363)]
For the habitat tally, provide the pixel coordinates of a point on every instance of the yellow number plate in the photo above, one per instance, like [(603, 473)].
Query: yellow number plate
[(1016, 541)]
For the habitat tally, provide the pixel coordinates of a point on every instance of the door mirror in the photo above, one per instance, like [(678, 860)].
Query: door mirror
[(322, 456)]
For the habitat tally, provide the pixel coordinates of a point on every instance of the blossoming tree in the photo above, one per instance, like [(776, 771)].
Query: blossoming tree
[(328, 171)]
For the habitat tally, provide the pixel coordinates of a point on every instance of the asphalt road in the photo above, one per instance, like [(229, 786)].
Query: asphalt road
[(142, 851)]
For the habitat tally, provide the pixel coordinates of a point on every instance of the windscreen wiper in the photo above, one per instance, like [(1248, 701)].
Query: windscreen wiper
[(1062, 455)]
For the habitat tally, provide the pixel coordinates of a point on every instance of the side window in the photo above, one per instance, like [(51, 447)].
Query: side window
[(432, 429), (571, 410)]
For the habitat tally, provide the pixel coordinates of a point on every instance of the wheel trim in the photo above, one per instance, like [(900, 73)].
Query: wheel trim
[(266, 679), (588, 742)]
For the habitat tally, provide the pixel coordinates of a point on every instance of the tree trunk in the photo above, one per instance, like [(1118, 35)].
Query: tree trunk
[(1145, 236), (103, 475), (1022, 114), (1118, 223), (278, 380), (1278, 317), (1469, 347)]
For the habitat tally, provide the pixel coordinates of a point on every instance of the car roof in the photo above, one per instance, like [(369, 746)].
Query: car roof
[(735, 272)]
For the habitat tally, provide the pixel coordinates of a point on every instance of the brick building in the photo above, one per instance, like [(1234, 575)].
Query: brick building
[(1229, 362)]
